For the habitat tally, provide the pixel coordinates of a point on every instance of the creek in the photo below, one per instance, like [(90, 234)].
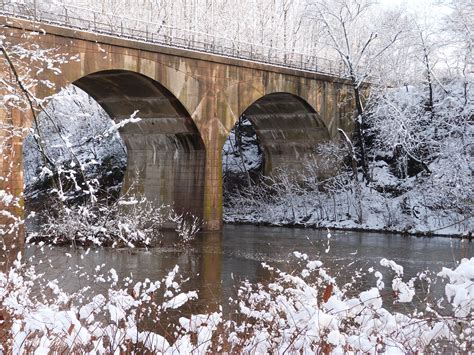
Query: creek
[(215, 262)]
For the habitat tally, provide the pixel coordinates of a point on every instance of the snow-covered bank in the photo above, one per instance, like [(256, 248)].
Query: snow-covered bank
[(353, 227), (419, 180), (348, 207)]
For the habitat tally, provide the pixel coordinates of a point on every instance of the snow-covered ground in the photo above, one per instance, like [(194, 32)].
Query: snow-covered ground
[(347, 207)]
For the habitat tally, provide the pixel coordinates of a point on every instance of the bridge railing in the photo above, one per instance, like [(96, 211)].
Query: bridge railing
[(113, 25)]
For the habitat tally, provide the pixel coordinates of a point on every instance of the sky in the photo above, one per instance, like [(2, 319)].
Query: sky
[(410, 4), (416, 5), (427, 9)]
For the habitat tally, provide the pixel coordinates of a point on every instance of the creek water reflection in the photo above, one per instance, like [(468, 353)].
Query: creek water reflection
[(215, 262)]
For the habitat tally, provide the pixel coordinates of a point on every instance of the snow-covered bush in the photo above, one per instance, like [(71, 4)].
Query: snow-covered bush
[(128, 221), (306, 311), (302, 311), (388, 203), (186, 225), (120, 320)]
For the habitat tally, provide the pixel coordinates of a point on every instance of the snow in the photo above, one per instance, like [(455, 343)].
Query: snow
[(335, 305), (44, 325), (393, 265), (180, 300), (86, 133), (310, 324), (405, 292), (154, 342), (371, 298), (87, 311), (114, 129), (460, 290)]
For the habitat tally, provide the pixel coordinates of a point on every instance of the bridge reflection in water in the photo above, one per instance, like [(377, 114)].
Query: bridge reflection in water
[(216, 262)]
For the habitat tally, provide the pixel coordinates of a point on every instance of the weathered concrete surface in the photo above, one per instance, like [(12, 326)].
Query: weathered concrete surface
[(189, 102), (287, 129), (166, 155)]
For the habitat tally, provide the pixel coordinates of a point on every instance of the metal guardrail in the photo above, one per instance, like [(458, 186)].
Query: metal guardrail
[(118, 26)]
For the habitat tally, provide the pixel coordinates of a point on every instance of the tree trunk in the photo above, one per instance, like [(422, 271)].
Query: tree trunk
[(429, 104), (359, 122)]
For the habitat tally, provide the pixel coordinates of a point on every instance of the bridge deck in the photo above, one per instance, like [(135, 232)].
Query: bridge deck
[(29, 25), (87, 20)]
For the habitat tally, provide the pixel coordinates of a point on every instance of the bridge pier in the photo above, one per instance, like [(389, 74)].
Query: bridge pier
[(12, 235), (213, 190)]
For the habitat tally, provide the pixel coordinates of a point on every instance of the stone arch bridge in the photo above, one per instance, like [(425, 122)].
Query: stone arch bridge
[(188, 102)]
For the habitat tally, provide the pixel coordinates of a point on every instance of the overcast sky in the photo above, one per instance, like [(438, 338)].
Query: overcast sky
[(413, 4), (416, 5), (427, 9)]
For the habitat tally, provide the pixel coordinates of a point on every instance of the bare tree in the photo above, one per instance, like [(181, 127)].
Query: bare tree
[(427, 44), (460, 25), (359, 47)]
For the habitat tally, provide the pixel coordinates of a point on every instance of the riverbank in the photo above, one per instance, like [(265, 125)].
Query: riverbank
[(350, 207), (428, 234)]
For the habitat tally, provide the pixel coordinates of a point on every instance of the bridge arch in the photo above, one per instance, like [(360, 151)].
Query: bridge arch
[(166, 155), (165, 152), (287, 128)]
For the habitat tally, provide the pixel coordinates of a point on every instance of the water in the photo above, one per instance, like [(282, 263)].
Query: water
[(217, 261)]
